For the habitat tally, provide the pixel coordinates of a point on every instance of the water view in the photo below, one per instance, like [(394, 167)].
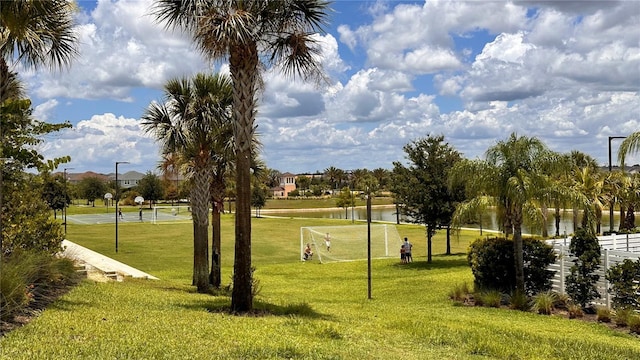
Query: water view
[(388, 214)]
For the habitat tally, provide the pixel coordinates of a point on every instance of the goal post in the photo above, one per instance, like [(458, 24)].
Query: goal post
[(349, 242), (170, 213)]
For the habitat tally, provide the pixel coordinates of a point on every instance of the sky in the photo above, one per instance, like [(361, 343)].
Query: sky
[(566, 72)]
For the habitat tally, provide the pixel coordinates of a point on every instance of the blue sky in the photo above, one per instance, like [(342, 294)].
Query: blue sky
[(567, 72)]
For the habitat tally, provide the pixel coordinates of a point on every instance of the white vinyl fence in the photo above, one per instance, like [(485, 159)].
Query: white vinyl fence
[(614, 249)]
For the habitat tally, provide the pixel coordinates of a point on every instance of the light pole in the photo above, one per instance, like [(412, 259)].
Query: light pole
[(65, 199), (611, 204), (117, 200)]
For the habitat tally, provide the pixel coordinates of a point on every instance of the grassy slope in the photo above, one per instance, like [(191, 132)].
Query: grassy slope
[(317, 311)]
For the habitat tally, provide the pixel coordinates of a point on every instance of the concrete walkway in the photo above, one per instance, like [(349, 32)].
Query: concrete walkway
[(104, 264)]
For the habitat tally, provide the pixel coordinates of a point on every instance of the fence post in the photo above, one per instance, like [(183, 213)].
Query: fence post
[(614, 238), (627, 241), (562, 257), (607, 297)]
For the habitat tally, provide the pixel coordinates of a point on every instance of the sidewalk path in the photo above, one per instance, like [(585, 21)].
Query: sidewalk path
[(103, 263)]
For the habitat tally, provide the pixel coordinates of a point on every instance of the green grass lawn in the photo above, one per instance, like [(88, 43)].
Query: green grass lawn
[(308, 310)]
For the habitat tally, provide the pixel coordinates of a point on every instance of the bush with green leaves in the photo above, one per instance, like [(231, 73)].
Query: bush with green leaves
[(493, 265), (624, 279), (581, 282), (26, 221)]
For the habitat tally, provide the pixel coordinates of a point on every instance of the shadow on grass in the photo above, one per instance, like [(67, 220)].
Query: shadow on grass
[(67, 305), (438, 262), (222, 305)]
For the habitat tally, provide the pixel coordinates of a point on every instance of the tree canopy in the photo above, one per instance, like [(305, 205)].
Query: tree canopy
[(422, 187)]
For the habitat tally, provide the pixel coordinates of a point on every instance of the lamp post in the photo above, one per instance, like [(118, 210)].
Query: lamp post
[(117, 199), (64, 209), (611, 204)]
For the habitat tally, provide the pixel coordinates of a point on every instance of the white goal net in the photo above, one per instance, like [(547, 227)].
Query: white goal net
[(170, 213), (349, 242)]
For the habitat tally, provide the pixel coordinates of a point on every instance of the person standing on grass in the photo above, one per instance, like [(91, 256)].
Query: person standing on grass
[(403, 255), (327, 242), (407, 251)]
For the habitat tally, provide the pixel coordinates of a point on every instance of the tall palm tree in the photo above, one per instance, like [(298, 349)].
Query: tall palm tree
[(248, 33), (334, 174), (630, 145), (590, 183), (510, 175), (187, 124)]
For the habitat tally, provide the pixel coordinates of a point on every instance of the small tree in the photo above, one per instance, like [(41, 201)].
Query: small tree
[(303, 183), (345, 200), (54, 193), (423, 185), (151, 188), (581, 283), (92, 188), (625, 284), (258, 198)]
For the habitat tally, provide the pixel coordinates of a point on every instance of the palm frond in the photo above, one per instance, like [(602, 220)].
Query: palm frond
[(630, 145)]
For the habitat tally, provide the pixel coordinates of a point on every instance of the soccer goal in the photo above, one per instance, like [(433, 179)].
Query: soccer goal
[(169, 213), (349, 242)]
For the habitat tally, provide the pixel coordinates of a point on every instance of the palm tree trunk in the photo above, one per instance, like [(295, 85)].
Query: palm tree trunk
[(630, 219), (517, 248), (622, 217), (448, 240), (557, 218), (217, 200), (199, 204), (545, 215), (243, 62), (429, 242), (216, 268)]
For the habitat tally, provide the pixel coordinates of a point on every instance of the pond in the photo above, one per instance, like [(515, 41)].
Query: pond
[(388, 214)]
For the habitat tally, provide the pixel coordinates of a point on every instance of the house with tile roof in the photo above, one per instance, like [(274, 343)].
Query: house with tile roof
[(287, 185)]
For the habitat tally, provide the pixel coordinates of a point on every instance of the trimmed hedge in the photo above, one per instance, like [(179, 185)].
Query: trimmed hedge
[(493, 265)]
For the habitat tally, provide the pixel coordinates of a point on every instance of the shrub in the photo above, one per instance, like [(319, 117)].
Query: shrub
[(491, 298), (30, 278), (493, 266), (519, 301), (460, 292), (562, 301), (543, 302), (581, 282), (575, 311), (623, 315), (603, 314), (634, 324), (625, 284), (23, 205), (13, 290)]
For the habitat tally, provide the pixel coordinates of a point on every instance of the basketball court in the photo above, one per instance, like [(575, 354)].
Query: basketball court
[(128, 217)]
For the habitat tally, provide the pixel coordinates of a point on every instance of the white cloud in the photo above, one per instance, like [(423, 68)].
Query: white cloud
[(566, 72), (121, 48), (94, 144), (44, 111)]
